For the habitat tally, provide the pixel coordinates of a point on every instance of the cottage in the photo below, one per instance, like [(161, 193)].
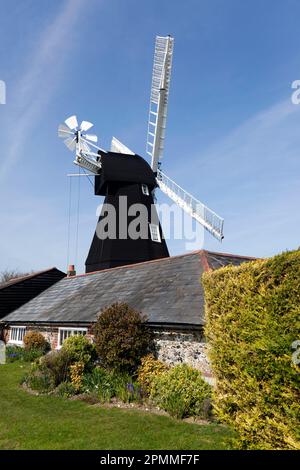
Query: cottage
[(168, 291)]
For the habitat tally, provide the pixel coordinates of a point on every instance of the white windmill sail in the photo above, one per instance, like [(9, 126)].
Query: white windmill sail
[(161, 76), (196, 209), (117, 146)]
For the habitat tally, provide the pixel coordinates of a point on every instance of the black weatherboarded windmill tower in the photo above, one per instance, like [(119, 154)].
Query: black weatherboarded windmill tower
[(128, 182)]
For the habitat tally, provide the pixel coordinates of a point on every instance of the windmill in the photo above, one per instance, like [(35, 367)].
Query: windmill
[(120, 173)]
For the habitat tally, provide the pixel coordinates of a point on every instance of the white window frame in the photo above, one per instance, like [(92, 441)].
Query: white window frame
[(18, 337), (72, 331), (145, 190), (154, 232)]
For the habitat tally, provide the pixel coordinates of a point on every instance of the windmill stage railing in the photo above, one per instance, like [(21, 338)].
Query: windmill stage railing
[(196, 209)]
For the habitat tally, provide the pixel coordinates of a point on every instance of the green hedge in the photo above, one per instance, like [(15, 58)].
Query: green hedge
[(253, 317)]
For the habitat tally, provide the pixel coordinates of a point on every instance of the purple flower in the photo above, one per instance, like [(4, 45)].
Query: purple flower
[(130, 387)]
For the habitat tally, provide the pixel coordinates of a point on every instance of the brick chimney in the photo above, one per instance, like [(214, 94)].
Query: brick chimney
[(71, 270)]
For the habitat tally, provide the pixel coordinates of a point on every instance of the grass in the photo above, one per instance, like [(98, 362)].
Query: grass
[(45, 422)]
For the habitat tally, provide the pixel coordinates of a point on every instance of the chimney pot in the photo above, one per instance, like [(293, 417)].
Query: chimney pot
[(71, 270)]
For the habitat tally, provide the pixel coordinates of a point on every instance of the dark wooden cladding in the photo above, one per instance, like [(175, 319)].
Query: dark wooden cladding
[(17, 292)]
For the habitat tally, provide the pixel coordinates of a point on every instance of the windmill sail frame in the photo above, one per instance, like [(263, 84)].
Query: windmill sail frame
[(90, 157), (211, 221), (160, 86)]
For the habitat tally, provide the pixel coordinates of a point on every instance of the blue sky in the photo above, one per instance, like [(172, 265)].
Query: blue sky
[(233, 134)]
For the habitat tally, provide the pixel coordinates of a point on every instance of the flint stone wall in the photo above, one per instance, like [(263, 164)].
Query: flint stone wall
[(183, 346)]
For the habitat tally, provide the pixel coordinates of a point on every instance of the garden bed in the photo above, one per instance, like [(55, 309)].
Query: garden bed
[(116, 368), (49, 422)]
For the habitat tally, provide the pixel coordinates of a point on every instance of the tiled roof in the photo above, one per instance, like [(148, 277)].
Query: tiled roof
[(167, 291)]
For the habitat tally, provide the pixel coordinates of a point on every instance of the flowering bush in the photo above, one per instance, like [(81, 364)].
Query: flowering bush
[(181, 391), (33, 340), (148, 370), (76, 374)]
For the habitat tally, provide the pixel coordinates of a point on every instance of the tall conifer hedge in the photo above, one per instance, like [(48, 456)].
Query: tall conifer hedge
[(253, 324)]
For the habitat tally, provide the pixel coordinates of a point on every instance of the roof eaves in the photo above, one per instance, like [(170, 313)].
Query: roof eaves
[(52, 323)]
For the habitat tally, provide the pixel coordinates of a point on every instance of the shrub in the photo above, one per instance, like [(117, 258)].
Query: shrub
[(76, 374), (32, 355), (148, 370), (33, 340), (252, 315), (181, 391), (58, 365), (65, 389), (122, 337), (39, 379), (80, 349)]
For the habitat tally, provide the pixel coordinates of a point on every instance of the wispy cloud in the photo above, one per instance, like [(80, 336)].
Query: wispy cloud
[(264, 140), (39, 81), (252, 178)]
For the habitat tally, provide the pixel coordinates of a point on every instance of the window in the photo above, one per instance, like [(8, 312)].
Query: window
[(145, 190), (17, 334), (154, 231), (64, 333)]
